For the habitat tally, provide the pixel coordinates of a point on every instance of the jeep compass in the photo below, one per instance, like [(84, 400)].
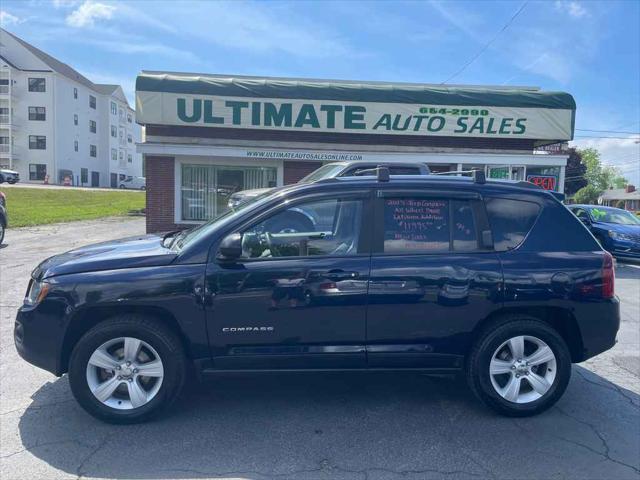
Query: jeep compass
[(440, 274)]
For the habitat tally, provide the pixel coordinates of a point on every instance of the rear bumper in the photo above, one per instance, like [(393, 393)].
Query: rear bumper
[(599, 324)]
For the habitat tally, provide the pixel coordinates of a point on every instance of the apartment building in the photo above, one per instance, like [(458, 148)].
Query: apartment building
[(57, 126)]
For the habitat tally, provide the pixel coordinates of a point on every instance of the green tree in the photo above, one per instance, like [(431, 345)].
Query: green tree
[(588, 194), (600, 176), (574, 173)]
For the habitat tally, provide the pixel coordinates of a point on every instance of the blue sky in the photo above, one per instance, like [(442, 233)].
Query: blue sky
[(590, 49)]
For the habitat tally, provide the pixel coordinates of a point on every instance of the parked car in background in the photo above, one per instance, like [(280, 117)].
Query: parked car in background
[(617, 230), (9, 176), (133, 183), (425, 273), (339, 169), (3, 216)]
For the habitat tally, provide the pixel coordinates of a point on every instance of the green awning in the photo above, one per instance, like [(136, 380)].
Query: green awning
[(239, 86)]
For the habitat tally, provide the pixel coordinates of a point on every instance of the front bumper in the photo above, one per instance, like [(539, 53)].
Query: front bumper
[(623, 248), (38, 337)]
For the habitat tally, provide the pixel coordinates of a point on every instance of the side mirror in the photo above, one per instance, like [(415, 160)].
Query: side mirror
[(230, 248)]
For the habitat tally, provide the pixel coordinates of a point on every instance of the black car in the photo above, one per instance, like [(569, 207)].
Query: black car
[(339, 169), (3, 216), (424, 273)]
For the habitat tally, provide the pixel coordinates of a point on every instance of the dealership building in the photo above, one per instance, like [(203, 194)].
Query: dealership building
[(207, 136)]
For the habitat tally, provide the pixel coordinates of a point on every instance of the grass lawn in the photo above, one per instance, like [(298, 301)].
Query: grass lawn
[(37, 206)]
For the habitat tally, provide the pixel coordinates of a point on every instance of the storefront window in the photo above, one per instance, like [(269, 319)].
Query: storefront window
[(545, 177), (206, 189)]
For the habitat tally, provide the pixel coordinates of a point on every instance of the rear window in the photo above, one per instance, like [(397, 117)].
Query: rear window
[(424, 225), (510, 220)]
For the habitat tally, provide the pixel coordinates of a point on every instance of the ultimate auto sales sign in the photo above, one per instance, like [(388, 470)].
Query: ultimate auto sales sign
[(168, 108)]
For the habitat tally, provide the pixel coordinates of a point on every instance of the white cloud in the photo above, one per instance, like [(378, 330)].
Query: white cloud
[(87, 13), (7, 19), (622, 153), (573, 8)]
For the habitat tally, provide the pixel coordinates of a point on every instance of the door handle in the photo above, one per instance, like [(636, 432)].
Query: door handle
[(341, 275)]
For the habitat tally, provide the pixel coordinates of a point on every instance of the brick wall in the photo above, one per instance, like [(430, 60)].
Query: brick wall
[(294, 171), (160, 175)]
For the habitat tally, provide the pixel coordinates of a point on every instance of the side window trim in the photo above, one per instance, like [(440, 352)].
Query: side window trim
[(251, 221)]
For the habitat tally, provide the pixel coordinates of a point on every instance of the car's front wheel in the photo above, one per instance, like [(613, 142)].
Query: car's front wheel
[(519, 367), (127, 369)]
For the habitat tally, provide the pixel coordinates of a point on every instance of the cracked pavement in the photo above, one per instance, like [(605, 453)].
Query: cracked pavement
[(321, 426)]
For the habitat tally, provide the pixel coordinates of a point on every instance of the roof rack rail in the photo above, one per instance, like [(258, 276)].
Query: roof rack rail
[(478, 175)]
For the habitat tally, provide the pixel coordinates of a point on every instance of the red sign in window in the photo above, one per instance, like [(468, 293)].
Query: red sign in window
[(547, 182)]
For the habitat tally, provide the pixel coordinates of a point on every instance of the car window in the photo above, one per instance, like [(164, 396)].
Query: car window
[(464, 232), (416, 225), (580, 213), (319, 227), (510, 221)]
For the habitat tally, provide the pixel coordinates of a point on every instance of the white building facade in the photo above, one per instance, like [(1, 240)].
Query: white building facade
[(57, 126)]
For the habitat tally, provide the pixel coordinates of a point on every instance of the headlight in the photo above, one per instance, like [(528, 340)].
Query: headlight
[(619, 236), (37, 292)]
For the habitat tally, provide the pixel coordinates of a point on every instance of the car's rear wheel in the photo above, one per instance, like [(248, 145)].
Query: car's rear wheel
[(519, 366), (127, 369)]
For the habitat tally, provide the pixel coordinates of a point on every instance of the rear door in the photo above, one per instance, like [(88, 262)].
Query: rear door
[(434, 276)]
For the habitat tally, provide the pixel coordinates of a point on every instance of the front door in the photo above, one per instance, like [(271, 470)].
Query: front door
[(95, 179), (114, 180), (297, 297), (432, 279)]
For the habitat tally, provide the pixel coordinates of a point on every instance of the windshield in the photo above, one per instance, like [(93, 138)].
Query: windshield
[(329, 170), (613, 215), (184, 238)]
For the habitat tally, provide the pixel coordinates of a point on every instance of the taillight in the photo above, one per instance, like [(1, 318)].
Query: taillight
[(608, 276)]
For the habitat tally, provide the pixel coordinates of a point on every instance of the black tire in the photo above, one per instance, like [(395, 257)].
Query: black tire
[(143, 188), (11, 182), (2, 229), (121, 187), (490, 339), (147, 329)]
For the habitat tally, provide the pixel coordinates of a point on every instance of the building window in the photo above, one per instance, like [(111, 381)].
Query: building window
[(114, 154), (114, 108), (84, 175), (75, 119), (129, 118), (37, 85), (129, 138), (92, 126), (114, 131), (121, 155), (75, 145), (37, 142), (202, 187), (93, 151), (37, 113), (75, 93), (129, 158), (37, 171), (121, 112), (92, 102)]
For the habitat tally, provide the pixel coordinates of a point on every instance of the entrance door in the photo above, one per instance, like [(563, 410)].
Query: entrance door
[(431, 279), (114, 180), (95, 179), (297, 297)]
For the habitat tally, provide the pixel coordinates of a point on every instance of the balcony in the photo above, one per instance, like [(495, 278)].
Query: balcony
[(5, 90)]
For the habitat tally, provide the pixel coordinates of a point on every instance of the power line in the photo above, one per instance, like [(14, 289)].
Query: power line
[(606, 131), (487, 45)]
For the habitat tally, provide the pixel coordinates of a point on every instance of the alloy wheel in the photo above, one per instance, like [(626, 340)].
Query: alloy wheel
[(125, 373), (523, 369)]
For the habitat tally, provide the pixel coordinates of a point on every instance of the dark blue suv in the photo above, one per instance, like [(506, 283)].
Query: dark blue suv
[(427, 273)]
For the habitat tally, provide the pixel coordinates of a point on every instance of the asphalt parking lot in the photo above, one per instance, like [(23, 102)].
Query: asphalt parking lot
[(366, 426)]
